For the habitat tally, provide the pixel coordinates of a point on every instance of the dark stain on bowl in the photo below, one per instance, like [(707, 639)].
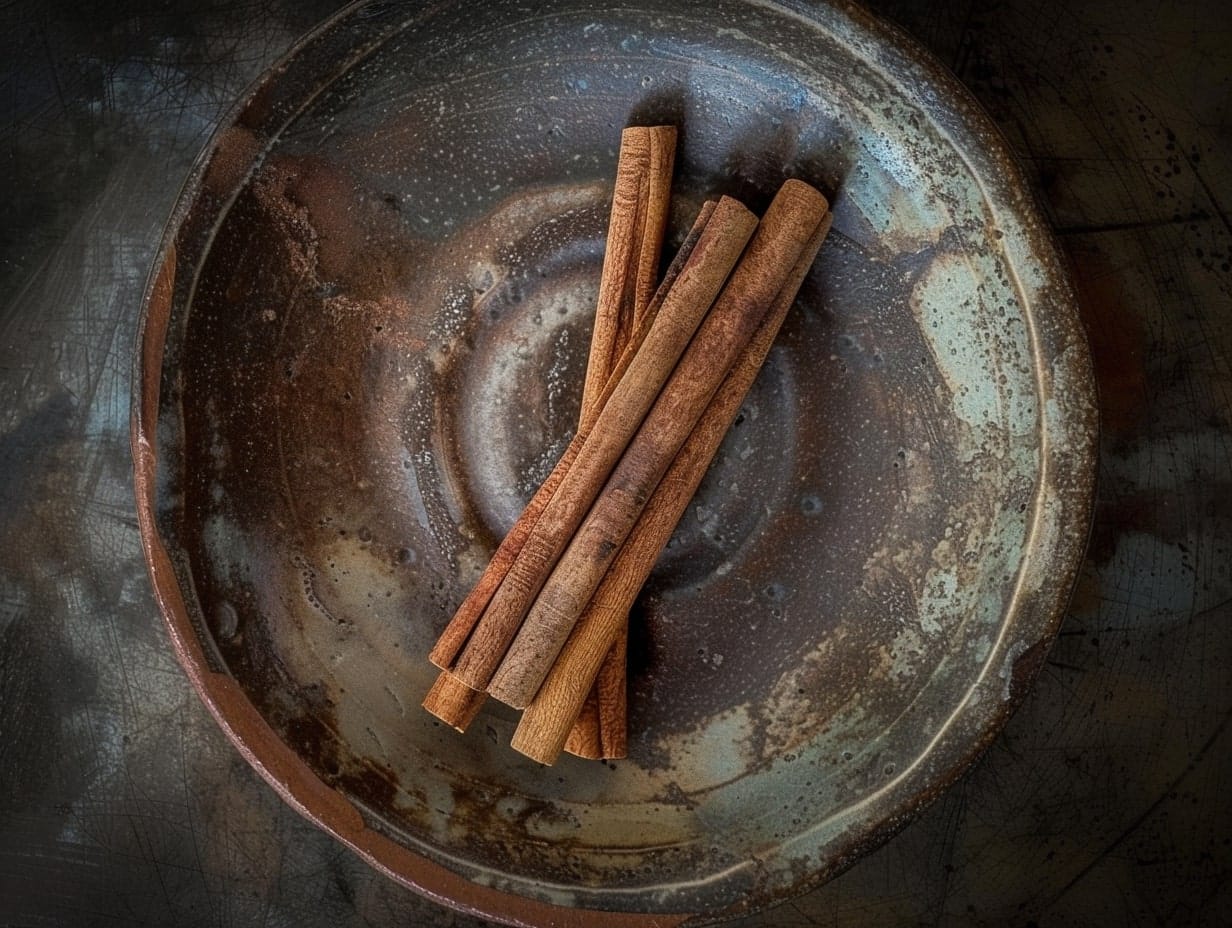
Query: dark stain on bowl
[(363, 348)]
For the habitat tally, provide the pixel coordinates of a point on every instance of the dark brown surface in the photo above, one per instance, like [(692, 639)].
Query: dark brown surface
[(1102, 802)]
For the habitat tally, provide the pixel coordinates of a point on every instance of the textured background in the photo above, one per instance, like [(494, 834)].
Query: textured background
[(1104, 802)]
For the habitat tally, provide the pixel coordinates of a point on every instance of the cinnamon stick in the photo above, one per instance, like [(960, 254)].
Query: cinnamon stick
[(454, 709), (634, 243), (685, 303), (635, 227), (545, 725), (623, 307), (784, 232)]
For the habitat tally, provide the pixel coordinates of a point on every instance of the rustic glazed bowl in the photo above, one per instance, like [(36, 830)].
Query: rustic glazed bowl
[(362, 348)]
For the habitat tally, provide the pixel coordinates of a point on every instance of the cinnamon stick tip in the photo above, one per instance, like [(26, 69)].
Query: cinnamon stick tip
[(534, 748), (728, 211), (812, 197), (663, 132), (453, 702)]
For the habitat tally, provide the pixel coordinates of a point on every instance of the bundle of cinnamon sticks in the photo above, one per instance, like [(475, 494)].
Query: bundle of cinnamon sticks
[(545, 628)]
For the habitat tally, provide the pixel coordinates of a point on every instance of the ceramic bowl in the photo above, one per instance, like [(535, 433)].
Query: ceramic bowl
[(362, 348)]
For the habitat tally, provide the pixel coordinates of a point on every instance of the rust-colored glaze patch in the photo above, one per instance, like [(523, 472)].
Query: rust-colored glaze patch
[(236, 150), (358, 233)]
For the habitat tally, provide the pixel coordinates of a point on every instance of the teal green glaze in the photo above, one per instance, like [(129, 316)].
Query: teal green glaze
[(982, 352)]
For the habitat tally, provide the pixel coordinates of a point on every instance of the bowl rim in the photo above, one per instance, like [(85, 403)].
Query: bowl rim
[(1074, 421)]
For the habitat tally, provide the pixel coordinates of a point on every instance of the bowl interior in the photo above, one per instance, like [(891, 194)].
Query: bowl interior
[(384, 278)]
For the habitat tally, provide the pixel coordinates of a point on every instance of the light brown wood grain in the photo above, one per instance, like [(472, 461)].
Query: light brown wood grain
[(634, 244), (585, 736)]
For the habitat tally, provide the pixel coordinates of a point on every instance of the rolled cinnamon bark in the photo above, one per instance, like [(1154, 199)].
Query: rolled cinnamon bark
[(624, 307), (610, 699), (636, 226), (635, 230), (585, 737), (546, 723), (555, 605)]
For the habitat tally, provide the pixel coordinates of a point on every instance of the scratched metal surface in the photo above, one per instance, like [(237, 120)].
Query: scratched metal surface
[(1103, 802)]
